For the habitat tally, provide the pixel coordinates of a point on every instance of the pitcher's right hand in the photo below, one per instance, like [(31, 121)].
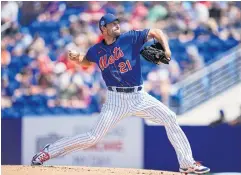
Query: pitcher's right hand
[(73, 55)]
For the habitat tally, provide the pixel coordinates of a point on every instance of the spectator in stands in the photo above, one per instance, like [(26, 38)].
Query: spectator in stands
[(140, 11), (23, 38), (45, 81), (236, 121), (93, 13), (53, 12), (9, 17), (38, 45), (5, 55), (45, 64), (220, 120), (81, 42), (201, 12), (187, 36), (158, 11), (18, 51), (212, 26), (174, 72), (197, 61), (110, 7), (58, 70), (25, 79), (159, 84), (215, 11), (6, 100), (233, 14), (75, 27), (9, 11), (65, 38)]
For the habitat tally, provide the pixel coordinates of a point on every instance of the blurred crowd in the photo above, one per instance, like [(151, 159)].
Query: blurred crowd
[(37, 77)]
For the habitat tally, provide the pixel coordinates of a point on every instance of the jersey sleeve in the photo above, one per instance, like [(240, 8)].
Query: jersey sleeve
[(139, 36), (91, 54)]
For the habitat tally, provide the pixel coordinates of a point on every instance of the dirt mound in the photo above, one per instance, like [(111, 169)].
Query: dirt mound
[(71, 170)]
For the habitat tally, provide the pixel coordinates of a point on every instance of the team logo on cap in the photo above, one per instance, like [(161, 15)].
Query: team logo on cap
[(102, 23)]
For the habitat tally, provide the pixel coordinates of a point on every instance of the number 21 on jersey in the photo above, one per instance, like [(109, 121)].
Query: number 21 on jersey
[(125, 66)]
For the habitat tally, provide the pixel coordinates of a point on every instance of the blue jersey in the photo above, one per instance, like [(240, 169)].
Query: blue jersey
[(119, 62)]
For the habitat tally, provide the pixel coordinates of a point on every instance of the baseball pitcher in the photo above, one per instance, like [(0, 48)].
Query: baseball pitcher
[(118, 57)]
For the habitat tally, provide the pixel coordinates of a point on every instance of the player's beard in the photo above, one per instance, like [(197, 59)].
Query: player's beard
[(114, 33)]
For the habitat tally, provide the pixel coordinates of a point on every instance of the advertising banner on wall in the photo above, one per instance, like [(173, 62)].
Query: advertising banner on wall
[(121, 147)]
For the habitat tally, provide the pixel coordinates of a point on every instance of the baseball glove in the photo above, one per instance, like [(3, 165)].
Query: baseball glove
[(155, 54)]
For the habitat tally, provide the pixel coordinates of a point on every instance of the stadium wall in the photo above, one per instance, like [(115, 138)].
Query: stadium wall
[(139, 145), (217, 147), (11, 141)]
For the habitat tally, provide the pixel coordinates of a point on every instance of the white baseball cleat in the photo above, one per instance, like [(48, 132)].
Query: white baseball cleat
[(41, 157), (197, 168)]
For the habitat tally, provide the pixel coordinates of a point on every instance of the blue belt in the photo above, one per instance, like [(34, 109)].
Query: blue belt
[(126, 90)]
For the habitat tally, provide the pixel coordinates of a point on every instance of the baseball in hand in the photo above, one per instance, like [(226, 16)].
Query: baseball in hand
[(73, 55)]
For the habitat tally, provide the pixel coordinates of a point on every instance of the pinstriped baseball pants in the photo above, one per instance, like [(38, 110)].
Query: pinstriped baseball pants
[(120, 105)]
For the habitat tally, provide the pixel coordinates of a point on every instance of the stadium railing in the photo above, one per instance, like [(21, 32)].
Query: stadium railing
[(209, 81)]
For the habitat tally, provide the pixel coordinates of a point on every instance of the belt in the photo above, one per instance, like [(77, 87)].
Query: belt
[(126, 90)]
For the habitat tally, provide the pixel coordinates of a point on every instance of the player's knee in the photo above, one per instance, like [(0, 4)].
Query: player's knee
[(93, 138)]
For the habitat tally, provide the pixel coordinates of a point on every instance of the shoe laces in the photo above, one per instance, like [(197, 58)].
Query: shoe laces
[(198, 163), (43, 156)]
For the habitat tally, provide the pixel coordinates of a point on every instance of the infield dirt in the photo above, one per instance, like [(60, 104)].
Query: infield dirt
[(73, 170)]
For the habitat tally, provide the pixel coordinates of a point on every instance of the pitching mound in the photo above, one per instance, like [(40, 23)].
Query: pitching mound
[(71, 170)]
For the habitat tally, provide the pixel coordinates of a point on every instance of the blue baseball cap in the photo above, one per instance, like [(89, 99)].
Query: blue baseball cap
[(107, 19)]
